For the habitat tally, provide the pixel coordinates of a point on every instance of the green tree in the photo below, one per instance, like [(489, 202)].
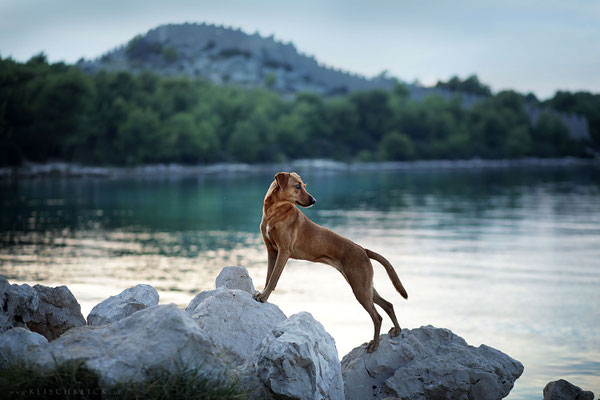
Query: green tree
[(137, 137), (551, 137), (185, 139), (396, 146)]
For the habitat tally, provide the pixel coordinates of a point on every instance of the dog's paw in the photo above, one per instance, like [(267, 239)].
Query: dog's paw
[(372, 346), (260, 297), (395, 331)]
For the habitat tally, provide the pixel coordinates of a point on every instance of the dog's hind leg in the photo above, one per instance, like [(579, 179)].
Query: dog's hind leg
[(367, 303), (360, 280), (389, 310)]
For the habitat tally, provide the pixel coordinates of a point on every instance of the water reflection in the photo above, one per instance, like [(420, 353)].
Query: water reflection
[(503, 257)]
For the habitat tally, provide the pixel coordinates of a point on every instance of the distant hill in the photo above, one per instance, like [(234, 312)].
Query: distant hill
[(229, 56)]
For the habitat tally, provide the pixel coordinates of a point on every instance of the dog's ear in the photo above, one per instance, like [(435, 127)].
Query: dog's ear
[(282, 179)]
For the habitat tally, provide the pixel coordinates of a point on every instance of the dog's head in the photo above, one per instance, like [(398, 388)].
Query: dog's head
[(292, 189)]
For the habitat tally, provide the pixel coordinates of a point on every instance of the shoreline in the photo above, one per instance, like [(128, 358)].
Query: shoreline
[(73, 170)]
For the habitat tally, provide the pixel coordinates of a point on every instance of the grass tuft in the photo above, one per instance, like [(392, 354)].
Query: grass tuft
[(190, 384), (68, 380), (73, 380)]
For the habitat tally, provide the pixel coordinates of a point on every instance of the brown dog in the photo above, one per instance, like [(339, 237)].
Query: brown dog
[(288, 233)]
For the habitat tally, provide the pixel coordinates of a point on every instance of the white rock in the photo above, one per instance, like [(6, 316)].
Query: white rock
[(235, 278), (199, 298), (299, 360), (42, 309), (428, 363), (123, 305), (14, 343), (159, 338), (235, 322)]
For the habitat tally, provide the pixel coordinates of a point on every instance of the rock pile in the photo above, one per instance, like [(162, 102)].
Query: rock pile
[(224, 332)]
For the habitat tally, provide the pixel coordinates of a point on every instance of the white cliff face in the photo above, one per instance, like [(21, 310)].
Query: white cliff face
[(115, 308), (429, 363)]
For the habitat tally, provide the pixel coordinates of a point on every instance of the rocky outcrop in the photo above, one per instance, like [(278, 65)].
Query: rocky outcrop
[(563, 390), (234, 321), (159, 338), (225, 332), (428, 363), (230, 56), (115, 308), (42, 309), (15, 343), (298, 360)]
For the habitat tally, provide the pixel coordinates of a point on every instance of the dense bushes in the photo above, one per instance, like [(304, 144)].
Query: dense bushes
[(56, 112)]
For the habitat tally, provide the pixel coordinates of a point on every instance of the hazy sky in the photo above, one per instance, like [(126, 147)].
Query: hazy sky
[(537, 45)]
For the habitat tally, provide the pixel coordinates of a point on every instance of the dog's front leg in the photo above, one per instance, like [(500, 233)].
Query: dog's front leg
[(282, 258), (271, 258)]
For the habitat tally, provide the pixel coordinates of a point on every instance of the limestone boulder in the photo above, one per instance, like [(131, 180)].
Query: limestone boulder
[(199, 298), (19, 303), (57, 312), (428, 364), (564, 390), (157, 339), (15, 343), (298, 360), (235, 322), (42, 309), (124, 304), (235, 278)]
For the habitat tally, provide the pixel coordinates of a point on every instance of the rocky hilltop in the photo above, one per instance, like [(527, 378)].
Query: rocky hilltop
[(230, 56)]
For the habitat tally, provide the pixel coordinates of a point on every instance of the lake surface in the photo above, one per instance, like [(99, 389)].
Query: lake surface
[(509, 257)]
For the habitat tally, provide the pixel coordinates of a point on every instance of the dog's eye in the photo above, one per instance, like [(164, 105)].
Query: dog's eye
[(298, 186)]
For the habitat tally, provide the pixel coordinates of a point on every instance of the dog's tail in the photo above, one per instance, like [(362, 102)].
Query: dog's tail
[(390, 271)]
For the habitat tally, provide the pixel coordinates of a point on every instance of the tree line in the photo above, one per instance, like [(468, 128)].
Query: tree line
[(52, 112)]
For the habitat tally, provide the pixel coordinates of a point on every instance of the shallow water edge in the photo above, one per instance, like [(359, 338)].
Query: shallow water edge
[(32, 170)]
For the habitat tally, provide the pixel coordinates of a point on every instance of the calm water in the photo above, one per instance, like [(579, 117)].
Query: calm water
[(509, 258)]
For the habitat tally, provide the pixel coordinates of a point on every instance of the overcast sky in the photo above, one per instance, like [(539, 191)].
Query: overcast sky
[(538, 45)]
